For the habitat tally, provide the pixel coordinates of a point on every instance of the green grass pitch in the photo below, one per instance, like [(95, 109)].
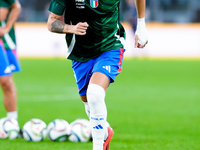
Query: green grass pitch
[(153, 105)]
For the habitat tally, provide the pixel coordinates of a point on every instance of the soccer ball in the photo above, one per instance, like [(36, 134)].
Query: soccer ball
[(9, 128), (58, 130), (35, 130), (81, 131)]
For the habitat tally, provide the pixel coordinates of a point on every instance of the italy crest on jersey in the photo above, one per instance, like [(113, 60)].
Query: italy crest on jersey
[(94, 3)]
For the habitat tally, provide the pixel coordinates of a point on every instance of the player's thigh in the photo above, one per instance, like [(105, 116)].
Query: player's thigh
[(100, 79), (109, 64), (6, 81), (82, 73)]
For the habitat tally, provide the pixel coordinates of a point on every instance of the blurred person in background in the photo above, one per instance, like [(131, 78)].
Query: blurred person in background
[(9, 63), (130, 14), (93, 34)]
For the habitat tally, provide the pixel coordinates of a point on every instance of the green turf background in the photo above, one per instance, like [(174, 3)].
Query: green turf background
[(153, 105)]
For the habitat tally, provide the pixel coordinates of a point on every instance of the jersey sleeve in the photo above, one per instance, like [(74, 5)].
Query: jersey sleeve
[(57, 7)]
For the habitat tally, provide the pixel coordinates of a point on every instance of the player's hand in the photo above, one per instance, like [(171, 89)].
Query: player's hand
[(141, 37), (80, 28), (3, 31)]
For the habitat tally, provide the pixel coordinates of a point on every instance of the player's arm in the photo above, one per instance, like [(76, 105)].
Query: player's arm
[(141, 38), (54, 24), (3, 13), (14, 13)]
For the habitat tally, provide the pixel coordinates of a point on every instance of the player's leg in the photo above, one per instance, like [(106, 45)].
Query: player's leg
[(9, 93), (87, 110), (9, 96), (15, 67), (82, 73), (7, 85), (106, 68), (98, 112)]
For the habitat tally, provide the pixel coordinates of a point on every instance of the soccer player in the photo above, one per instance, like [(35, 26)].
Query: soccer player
[(94, 37), (9, 63)]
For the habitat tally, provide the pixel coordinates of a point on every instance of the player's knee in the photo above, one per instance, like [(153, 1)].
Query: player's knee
[(95, 98), (6, 84)]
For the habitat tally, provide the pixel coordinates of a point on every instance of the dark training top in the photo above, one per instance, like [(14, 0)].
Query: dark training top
[(9, 40), (104, 31)]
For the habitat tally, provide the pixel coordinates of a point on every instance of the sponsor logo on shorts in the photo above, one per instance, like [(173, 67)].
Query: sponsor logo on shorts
[(8, 70), (12, 67), (107, 68)]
